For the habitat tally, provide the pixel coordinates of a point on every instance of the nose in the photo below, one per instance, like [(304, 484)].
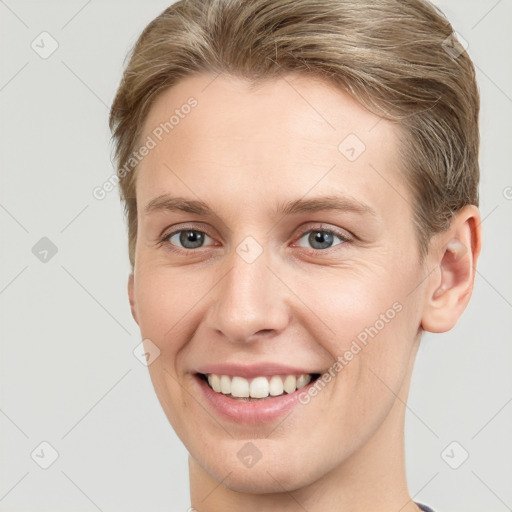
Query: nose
[(250, 302)]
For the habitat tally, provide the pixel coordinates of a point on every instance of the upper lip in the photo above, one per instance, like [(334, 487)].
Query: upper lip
[(248, 371)]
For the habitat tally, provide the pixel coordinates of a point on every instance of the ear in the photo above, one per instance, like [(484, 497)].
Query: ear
[(453, 254), (131, 296)]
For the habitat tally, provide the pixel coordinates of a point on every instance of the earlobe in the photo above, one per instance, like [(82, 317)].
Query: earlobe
[(131, 296), (451, 285)]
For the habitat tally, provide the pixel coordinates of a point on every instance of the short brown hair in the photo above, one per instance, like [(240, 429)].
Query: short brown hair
[(400, 59)]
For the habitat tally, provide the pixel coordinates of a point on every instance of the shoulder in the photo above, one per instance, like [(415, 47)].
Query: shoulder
[(424, 508)]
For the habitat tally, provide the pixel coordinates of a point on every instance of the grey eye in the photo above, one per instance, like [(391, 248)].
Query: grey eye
[(189, 238), (321, 239)]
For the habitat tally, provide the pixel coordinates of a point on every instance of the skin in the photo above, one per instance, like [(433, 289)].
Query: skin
[(244, 150)]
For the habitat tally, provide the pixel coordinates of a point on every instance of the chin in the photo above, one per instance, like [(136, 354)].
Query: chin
[(279, 470), (265, 480)]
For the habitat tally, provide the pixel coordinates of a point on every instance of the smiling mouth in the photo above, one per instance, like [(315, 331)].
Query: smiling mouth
[(257, 388)]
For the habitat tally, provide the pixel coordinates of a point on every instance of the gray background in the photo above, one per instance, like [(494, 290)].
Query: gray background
[(68, 373)]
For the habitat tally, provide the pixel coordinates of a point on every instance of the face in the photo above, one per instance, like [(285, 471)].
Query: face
[(275, 238)]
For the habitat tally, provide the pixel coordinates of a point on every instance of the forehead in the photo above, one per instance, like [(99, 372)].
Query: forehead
[(299, 109), (286, 136)]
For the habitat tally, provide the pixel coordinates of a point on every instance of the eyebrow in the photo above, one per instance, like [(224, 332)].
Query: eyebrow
[(323, 203)]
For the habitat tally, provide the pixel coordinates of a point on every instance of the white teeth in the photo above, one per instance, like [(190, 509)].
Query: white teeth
[(276, 386), (258, 387), (290, 383), (214, 381), (303, 380), (239, 387), (225, 384)]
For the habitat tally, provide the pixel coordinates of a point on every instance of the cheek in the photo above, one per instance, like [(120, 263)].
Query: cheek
[(346, 303), (163, 300), (367, 321)]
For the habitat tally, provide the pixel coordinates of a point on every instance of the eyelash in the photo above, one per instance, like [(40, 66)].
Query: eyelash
[(165, 239)]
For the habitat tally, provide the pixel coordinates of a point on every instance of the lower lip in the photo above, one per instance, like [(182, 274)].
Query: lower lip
[(251, 412)]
